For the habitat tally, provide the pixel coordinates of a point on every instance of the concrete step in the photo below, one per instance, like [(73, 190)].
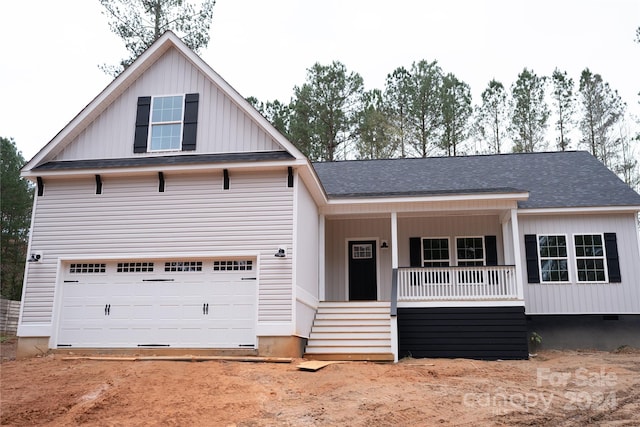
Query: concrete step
[(350, 349)]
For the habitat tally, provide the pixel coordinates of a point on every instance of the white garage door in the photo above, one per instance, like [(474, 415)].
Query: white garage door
[(160, 303)]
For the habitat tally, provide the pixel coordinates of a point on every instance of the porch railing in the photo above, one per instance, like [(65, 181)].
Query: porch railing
[(456, 283)]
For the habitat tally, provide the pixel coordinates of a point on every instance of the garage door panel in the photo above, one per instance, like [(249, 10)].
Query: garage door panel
[(115, 304)]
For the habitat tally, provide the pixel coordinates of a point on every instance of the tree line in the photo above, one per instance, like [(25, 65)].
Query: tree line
[(425, 111)]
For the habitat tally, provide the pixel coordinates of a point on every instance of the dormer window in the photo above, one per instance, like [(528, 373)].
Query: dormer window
[(166, 123)]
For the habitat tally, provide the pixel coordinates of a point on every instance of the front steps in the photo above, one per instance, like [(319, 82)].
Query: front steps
[(354, 330)]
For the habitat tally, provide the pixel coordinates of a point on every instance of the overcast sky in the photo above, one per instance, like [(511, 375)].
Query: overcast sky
[(51, 49)]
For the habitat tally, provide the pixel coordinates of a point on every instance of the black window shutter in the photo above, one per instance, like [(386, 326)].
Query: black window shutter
[(40, 186), (531, 254), (415, 252), (613, 261), (190, 125), (142, 124), (491, 248)]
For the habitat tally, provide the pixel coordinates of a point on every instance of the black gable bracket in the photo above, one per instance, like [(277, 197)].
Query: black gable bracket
[(225, 184), (40, 186), (98, 184), (160, 182), (290, 177)]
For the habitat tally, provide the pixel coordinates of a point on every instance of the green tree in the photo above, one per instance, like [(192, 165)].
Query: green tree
[(627, 166), (375, 134), (602, 107), (529, 113), (15, 204), (141, 22), (324, 111), (492, 116), (456, 111), (564, 105), (396, 97), (425, 106), (276, 112)]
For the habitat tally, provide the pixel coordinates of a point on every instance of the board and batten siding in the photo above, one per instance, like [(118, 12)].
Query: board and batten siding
[(448, 226), (337, 233), (222, 126), (585, 298), (306, 259), (194, 215)]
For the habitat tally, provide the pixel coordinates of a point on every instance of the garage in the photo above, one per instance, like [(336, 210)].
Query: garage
[(204, 303)]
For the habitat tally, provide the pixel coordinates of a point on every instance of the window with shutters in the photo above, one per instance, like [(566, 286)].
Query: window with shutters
[(167, 113), (166, 123), (590, 258)]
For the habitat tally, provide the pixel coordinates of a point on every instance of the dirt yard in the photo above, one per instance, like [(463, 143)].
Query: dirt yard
[(554, 388)]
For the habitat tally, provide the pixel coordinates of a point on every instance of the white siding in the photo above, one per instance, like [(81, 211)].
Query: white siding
[(222, 126), (337, 233), (338, 230), (574, 298), (193, 216), (306, 259), (447, 226)]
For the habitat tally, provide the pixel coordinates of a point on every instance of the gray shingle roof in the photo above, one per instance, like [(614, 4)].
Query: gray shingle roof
[(182, 159), (554, 180)]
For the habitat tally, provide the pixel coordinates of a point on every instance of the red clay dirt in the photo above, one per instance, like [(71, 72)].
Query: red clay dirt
[(556, 388)]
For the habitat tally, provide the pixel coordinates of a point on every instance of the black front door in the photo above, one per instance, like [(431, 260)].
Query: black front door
[(363, 282)]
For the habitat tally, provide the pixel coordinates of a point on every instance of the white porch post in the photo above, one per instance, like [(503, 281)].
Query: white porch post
[(394, 240), (321, 252), (515, 233), (507, 238), (394, 265)]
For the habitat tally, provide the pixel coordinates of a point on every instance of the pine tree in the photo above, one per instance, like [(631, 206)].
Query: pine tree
[(16, 198)]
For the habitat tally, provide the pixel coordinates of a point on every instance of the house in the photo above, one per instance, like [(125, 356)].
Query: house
[(171, 216)]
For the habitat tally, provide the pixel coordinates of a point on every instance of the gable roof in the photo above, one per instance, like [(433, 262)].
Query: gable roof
[(127, 78), (553, 180)]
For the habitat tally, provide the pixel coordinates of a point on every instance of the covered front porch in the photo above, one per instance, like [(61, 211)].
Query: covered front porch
[(458, 253)]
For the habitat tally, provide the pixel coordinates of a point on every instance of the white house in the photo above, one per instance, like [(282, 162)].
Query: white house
[(171, 215)]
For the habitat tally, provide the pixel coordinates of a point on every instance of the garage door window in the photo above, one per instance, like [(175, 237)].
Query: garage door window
[(135, 267), (87, 268), (183, 266), (232, 265)]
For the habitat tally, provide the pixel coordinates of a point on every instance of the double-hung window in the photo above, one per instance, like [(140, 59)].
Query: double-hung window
[(435, 252), (590, 258), (167, 113), (470, 251), (553, 258)]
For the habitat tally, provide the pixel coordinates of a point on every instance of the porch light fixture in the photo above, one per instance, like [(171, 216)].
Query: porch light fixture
[(281, 253), (384, 245)]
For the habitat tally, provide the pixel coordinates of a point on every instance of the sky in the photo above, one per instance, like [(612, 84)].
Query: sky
[(50, 50)]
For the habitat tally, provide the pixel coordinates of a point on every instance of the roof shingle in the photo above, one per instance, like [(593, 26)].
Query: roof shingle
[(554, 179)]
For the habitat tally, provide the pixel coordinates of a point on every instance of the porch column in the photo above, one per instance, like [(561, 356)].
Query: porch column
[(394, 267), (321, 253), (394, 240), (515, 233)]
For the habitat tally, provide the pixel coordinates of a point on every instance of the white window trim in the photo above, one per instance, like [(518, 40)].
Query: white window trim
[(603, 257), (152, 123), (568, 257), (484, 250), (447, 238)]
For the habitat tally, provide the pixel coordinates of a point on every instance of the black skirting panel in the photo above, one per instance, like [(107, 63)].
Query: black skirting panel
[(487, 333)]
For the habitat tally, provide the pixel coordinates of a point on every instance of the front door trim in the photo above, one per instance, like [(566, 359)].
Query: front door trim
[(347, 257)]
